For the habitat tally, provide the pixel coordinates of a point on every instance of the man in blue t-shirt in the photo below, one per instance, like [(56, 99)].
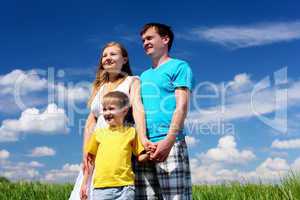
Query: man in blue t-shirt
[(165, 92)]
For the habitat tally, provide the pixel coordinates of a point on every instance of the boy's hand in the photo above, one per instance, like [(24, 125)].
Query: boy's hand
[(83, 192), (143, 157)]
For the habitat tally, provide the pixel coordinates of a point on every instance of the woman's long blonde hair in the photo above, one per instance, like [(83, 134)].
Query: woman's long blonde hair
[(102, 76)]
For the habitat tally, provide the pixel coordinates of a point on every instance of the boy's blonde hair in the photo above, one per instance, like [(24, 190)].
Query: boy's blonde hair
[(116, 98)]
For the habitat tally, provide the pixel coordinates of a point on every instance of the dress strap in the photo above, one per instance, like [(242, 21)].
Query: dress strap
[(132, 78)]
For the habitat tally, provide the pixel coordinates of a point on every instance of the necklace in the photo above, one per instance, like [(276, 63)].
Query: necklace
[(111, 86)]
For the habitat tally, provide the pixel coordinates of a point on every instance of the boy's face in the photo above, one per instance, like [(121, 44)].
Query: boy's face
[(154, 45), (114, 115)]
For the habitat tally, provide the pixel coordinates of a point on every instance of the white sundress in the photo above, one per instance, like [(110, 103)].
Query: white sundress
[(96, 108)]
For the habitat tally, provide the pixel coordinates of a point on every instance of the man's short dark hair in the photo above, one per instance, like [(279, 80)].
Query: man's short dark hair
[(162, 29)]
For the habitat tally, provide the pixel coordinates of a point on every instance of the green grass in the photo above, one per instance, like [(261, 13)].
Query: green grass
[(34, 191), (288, 189)]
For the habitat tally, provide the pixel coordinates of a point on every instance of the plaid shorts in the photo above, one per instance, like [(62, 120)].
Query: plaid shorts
[(168, 180)]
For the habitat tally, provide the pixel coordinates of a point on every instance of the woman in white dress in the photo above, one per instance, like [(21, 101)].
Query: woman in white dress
[(113, 73)]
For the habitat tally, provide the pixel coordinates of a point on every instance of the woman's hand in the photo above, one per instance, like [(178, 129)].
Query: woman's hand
[(149, 146)]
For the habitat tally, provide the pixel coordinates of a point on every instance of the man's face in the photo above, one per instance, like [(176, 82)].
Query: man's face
[(154, 45)]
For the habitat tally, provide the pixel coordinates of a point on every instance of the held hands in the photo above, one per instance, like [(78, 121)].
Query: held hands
[(159, 151), (149, 146), (163, 149)]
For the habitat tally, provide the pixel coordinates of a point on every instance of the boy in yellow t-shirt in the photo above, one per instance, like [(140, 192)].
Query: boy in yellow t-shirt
[(111, 149)]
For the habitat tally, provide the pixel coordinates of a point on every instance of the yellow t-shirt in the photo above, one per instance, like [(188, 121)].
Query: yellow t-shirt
[(113, 148)]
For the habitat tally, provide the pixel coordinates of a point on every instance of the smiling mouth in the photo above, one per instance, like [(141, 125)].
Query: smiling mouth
[(108, 117), (109, 62), (148, 47)]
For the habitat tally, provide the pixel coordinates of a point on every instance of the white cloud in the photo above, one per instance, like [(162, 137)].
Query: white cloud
[(227, 152), (274, 164), (286, 144), (76, 93), (191, 141), (279, 154), (52, 121), (42, 151), (18, 90), (36, 164), (237, 105), (68, 173), (248, 36), (20, 170), (294, 94), (9, 105), (202, 173), (296, 165), (4, 154), (21, 174), (270, 170), (8, 136), (240, 81), (21, 81)]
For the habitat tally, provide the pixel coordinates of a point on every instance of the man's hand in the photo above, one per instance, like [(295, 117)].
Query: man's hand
[(163, 149)]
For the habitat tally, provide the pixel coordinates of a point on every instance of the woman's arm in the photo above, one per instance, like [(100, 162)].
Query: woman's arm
[(89, 123), (139, 113)]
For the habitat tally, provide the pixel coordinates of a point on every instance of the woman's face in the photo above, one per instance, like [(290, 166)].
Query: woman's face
[(112, 59)]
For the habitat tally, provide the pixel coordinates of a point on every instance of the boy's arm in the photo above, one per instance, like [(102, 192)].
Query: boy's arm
[(90, 152), (87, 173), (88, 130), (89, 168)]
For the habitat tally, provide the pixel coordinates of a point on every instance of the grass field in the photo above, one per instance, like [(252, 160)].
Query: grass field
[(288, 189)]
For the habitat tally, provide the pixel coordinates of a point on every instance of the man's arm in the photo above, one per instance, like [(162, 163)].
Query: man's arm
[(182, 95)]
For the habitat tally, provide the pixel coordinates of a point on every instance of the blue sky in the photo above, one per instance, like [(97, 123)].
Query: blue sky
[(241, 46)]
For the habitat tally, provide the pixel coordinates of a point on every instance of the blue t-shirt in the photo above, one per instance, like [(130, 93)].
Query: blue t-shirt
[(158, 95)]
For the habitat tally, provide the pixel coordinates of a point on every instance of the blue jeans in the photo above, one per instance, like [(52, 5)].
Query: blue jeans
[(114, 193)]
